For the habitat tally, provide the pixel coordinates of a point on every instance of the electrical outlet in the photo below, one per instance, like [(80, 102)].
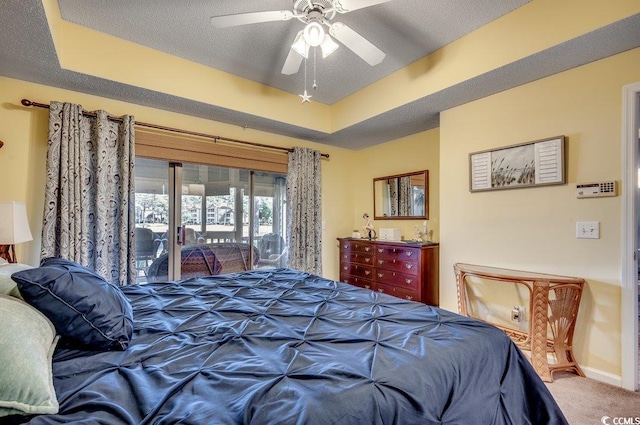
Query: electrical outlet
[(518, 314), (588, 230)]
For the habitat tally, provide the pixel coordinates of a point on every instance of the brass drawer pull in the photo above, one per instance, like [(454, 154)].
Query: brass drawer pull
[(367, 272), (367, 286), (409, 297), (367, 260), (380, 274), (408, 253), (367, 248), (409, 281), (380, 290), (409, 266)]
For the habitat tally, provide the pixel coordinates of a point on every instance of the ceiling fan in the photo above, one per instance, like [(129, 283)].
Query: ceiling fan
[(314, 14)]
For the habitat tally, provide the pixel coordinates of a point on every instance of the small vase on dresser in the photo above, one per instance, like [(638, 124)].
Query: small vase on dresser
[(406, 270)]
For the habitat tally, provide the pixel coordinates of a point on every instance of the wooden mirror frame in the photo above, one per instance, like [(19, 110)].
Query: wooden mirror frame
[(378, 213)]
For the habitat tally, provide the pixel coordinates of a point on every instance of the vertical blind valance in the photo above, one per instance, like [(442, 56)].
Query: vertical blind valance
[(176, 148)]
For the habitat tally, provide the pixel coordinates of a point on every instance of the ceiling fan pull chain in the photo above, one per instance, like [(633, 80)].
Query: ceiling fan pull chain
[(315, 86), (305, 96), (305, 74)]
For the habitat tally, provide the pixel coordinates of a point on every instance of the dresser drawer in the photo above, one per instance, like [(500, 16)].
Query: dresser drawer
[(403, 280), (407, 267), (397, 253), (363, 247), (357, 281), (405, 293), (357, 270), (357, 257)]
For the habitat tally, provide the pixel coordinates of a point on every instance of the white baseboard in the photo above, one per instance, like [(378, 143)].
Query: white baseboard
[(605, 377)]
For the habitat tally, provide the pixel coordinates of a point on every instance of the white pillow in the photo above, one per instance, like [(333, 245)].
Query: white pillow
[(7, 285), (27, 342)]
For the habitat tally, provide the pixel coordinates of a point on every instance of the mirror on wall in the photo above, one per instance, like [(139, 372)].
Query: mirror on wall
[(403, 196)]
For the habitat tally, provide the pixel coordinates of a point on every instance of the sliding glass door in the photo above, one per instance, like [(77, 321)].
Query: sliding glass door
[(197, 220), (152, 214), (269, 219)]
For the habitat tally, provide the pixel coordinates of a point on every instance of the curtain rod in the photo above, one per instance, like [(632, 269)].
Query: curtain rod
[(27, 102)]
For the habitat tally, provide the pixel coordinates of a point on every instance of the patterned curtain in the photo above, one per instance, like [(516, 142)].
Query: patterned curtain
[(404, 196), (89, 199), (393, 196), (304, 208)]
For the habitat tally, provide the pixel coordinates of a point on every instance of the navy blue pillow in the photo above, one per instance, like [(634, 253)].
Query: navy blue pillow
[(79, 302)]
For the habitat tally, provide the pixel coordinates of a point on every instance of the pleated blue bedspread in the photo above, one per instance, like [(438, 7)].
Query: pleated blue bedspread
[(285, 347)]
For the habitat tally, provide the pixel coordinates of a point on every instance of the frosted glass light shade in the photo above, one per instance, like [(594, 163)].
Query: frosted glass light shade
[(300, 46), (313, 34), (328, 46), (14, 225)]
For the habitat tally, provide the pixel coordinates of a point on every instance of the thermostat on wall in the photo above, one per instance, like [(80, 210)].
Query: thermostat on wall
[(596, 190)]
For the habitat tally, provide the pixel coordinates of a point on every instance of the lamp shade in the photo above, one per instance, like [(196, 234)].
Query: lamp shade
[(14, 226)]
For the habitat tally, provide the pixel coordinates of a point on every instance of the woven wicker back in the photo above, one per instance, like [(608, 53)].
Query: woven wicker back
[(206, 260), (197, 261), (234, 256)]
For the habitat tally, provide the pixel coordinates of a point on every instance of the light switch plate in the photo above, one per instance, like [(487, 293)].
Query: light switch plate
[(588, 230)]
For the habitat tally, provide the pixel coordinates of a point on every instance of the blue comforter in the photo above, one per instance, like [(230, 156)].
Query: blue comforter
[(286, 347)]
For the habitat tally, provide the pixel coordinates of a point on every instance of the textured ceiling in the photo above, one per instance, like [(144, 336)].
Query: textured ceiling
[(405, 29)]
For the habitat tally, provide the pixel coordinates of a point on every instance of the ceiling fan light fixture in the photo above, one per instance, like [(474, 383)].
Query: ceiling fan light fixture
[(314, 33), (328, 46), (300, 45)]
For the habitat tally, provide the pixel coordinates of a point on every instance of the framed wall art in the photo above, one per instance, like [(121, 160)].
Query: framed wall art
[(537, 163)]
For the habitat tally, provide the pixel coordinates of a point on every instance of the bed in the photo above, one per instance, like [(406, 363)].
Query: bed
[(279, 346)]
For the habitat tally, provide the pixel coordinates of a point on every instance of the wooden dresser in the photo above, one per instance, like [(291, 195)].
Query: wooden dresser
[(405, 270)]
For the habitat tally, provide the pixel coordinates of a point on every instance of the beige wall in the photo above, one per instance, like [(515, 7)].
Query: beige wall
[(417, 152), (22, 159), (534, 229)]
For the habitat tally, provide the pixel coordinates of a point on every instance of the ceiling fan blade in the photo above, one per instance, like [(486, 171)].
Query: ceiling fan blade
[(238, 19), (344, 6), (292, 63), (357, 43)]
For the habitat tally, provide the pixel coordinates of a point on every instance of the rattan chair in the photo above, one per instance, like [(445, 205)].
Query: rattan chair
[(206, 260), (196, 261), (234, 256)]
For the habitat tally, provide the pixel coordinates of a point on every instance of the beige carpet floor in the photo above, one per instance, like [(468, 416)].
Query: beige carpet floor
[(585, 401)]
